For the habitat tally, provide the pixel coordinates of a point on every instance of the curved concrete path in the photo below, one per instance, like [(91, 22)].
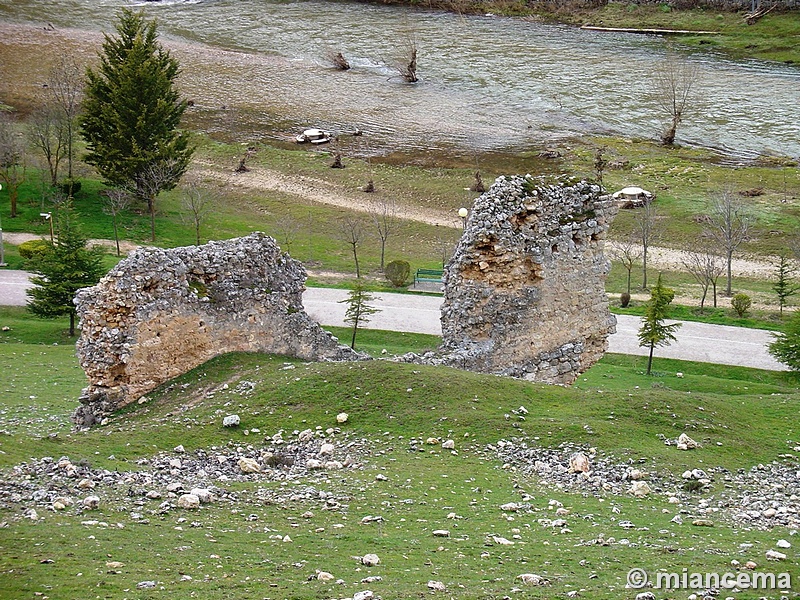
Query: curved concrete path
[(718, 344), (701, 342)]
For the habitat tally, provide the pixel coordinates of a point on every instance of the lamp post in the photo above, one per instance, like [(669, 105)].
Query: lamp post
[(463, 213), (48, 217), (2, 250)]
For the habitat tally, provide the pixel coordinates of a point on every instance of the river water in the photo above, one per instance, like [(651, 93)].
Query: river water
[(485, 82)]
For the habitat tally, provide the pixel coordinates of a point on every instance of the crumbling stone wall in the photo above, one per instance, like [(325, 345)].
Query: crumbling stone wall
[(525, 289), (160, 313)]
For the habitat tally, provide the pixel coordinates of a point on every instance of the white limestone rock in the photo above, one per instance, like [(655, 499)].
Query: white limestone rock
[(248, 465), (188, 501), (231, 421)]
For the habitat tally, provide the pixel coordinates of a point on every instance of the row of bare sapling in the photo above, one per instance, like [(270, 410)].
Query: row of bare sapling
[(726, 228)]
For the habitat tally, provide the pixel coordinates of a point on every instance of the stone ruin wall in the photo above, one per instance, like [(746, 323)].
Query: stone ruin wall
[(525, 290), (160, 313)]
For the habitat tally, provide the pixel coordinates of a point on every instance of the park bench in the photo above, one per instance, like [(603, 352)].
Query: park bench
[(427, 276)]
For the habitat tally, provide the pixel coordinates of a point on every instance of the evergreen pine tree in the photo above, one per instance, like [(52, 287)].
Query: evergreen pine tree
[(784, 287), (132, 113), (786, 347), (66, 266), (358, 308), (654, 332)]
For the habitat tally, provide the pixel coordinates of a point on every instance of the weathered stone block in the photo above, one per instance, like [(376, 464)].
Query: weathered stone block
[(160, 313), (525, 289)]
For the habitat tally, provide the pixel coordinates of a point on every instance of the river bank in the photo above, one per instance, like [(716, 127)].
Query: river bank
[(772, 36)]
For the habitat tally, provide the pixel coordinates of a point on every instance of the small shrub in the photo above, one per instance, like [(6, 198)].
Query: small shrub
[(693, 486), (70, 187), (741, 303), (624, 299), (33, 249), (397, 272)]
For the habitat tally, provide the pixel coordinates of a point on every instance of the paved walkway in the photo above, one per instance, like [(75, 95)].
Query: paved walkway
[(701, 342)]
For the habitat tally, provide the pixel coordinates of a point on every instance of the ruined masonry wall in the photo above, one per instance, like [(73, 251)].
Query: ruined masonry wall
[(160, 313), (525, 289)]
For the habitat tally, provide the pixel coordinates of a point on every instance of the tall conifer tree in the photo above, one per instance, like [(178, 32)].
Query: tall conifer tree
[(65, 267), (132, 113)]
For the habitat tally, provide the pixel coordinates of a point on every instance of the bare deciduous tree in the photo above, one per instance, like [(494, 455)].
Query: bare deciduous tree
[(407, 62), (12, 161), (196, 202), (288, 228), (673, 82), (627, 252), (446, 242), (705, 266), (384, 222), (151, 181), (47, 133), (730, 222), (117, 200), (352, 232), (647, 231), (66, 83)]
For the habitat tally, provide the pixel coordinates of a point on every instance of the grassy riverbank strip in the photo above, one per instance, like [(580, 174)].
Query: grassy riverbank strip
[(774, 36)]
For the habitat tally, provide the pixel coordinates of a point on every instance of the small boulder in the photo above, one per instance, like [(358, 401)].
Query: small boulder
[(532, 579), (686, 443), (370, 560), (324, 576), (91, 502), (204, 495), (188, 501), (326, 449), (342, 417), (640, 489), (579, 463), (437, 586), (249, 465), (231, 421)]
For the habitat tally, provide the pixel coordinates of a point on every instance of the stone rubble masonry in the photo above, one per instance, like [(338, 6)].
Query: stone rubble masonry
[(160, 313), (525, 289)]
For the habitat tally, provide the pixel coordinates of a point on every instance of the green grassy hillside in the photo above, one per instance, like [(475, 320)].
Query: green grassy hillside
[(268, 534)]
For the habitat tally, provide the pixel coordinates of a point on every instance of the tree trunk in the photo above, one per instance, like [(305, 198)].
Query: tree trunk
[(12, 196), (383, 253), (71, 323), (644, 267), (355, 329), (197, 230), (355, 258), (629, 280), (728, 285), (703, 299), (650, 358), (668, 137), (152, 206), (116, 235), (715, 293)]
